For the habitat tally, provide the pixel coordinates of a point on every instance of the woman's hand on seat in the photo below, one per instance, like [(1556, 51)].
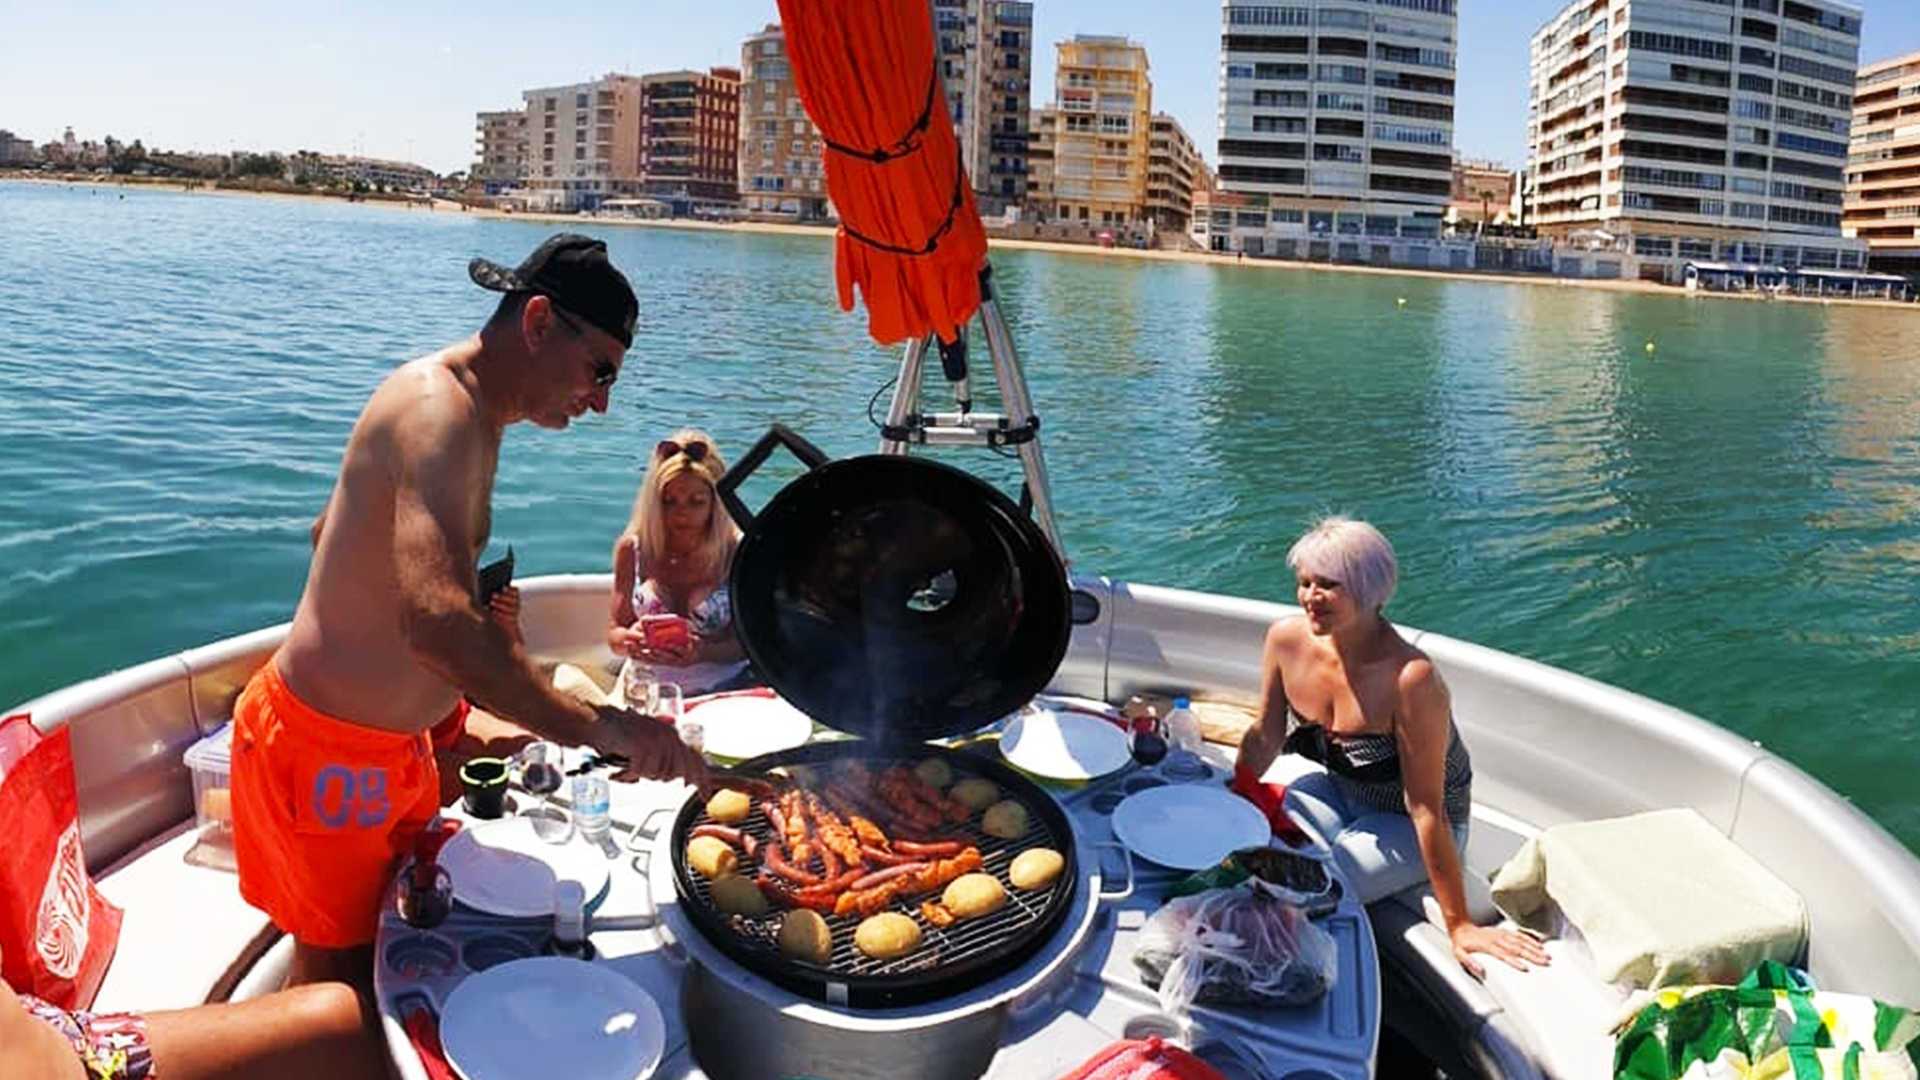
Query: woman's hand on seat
[(1519, 950)]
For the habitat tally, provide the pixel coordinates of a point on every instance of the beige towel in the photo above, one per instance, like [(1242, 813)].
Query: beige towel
[(1662, 898)]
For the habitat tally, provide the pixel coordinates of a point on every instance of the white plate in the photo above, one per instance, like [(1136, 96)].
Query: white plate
[(748, 725), (1063, 745), (502, 868), (1188, 826), (552, 1016)]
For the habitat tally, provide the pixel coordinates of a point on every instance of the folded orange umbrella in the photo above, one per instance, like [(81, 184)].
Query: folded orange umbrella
[(910, 236)]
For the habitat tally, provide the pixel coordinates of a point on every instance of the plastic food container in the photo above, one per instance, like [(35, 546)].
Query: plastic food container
[(211, 762)]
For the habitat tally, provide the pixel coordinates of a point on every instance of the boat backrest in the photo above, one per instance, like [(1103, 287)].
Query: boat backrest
[(1551, 747)]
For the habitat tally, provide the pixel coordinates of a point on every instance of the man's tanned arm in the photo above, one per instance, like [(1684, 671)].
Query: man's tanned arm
[(437, 471)]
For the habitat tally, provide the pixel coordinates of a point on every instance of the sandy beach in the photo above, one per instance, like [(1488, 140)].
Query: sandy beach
[(1078, 250)]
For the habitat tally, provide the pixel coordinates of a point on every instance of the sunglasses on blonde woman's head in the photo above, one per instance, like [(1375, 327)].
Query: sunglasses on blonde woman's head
[(696, 451)]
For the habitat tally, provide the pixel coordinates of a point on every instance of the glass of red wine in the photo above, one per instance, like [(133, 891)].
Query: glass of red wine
[(541, 774), (1147, 739)]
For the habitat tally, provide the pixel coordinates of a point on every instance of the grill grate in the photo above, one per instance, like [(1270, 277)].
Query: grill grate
[(940, 948)]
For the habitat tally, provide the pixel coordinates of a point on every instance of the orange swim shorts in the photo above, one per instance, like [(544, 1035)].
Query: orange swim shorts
[(323, 809)]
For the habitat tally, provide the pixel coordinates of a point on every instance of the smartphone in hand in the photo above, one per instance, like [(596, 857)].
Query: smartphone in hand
[(666, 632), (493, 577)]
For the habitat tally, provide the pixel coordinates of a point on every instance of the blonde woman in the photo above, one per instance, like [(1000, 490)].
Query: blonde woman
[(672, 618), (1343, 688)]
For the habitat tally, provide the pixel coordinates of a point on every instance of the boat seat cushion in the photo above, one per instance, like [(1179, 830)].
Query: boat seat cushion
[(1662, 898), (185, 927)]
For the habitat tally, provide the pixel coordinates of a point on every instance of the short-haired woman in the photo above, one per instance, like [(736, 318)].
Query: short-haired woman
[(672, 560), (1343, 688)]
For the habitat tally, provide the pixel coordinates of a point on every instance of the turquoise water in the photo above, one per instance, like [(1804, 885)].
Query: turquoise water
[(1730, 524)]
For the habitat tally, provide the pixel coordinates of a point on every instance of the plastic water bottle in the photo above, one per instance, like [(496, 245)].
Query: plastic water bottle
[(1183, 727), (591, 807), (1183, 735)]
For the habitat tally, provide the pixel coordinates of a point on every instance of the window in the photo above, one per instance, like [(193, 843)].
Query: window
[(1269, 16), (1747, 185), (1794, 65), (1239, 71), (1345, 20), (1280, 71), (1752, 110), (1338, 73), (1343, 102), (1280, 125), (1836, 125), (1744, 160), (1758, 84), (1787, 140), (579, 101), (1757, 57), (1786, 189), (1794, 215), (1653, 245), (1750, 136), (1800, 39), (1417, 136), (1679, 45), (1750, 211)]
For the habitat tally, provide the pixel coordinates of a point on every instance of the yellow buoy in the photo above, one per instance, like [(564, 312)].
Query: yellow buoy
[(1402, 301), (1649, 346)]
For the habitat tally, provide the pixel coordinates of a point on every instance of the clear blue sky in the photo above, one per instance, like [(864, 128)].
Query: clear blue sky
[(403, 80)]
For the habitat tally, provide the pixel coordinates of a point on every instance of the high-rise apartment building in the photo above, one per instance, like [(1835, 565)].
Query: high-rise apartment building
[(583, 143), (1103, 99), (1041, 126), (781, 173), (985, 57), (1688, 131), (500, 150), (690, 137), (1341, 114), (1883, 169), (999, 114), (1174, 169)]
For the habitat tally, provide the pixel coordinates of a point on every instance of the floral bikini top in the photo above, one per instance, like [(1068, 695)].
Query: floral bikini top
[(710, 617)]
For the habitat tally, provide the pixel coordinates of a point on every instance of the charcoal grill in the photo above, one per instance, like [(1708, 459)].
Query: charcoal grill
[(949, 959)]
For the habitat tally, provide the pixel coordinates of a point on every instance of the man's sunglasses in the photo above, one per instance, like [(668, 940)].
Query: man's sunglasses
[(695, 451), (604, 373)]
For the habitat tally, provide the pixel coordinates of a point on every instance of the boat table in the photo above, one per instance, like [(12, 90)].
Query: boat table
[(1103, 999)]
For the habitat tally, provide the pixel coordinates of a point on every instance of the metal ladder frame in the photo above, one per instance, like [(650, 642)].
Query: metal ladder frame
[(1018, 427)]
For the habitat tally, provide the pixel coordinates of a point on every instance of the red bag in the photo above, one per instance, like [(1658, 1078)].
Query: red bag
[(1144, 1059), (57, 933)]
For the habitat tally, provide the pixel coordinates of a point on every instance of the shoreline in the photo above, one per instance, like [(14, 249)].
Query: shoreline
[(1205, 258)]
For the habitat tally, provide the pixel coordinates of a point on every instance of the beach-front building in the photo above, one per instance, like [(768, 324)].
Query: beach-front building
[(1883, 167), (1103, 102), (1174, 169), (1001, 89), (1045, 119), (1482, 193), (1681, 132), (15, 150), (781, 174), (583, 143), (689, 139), (371, 172), (1339, 116), (500, 150)]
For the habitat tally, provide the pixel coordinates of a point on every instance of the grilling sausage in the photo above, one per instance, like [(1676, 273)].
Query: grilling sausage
[(885, 858), (880, 877), (936, 850), (718, 832), (776, 861)]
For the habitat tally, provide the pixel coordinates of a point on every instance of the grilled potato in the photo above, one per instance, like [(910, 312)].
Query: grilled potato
[(1036, 868), (711, 857), (978, 794), (729, 807), (887, 935), (736, 895), (1005, 819), (805, 935), (970, 896)]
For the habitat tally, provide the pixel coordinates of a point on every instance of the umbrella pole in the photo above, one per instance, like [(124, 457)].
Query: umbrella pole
[(1018, 427)]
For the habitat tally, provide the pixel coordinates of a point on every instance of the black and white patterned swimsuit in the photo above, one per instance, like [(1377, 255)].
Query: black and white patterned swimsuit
[(1366, 767)]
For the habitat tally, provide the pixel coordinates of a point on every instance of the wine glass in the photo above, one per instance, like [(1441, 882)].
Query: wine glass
[(1147, 740), (541, 774)]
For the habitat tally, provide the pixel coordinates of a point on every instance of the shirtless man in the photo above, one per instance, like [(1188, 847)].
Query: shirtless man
[(333, 765)]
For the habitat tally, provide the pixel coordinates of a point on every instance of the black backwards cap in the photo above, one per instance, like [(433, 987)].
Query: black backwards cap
[(574, 272)]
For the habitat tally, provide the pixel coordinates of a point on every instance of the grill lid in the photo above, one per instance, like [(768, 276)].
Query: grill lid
[(894, 597)]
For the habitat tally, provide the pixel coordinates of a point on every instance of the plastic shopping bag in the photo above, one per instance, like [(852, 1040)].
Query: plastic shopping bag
[(57, 933), (1773, 1026), (1250, 944), (1144, 1059)]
